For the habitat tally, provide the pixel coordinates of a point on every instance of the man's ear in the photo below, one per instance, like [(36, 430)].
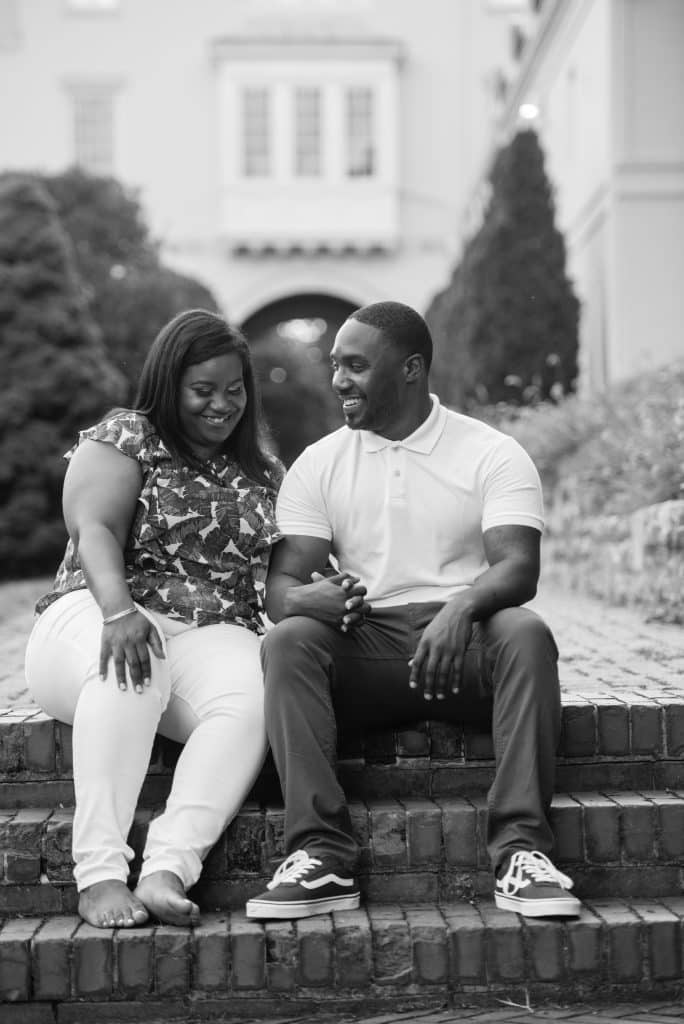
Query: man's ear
[(414, 367)]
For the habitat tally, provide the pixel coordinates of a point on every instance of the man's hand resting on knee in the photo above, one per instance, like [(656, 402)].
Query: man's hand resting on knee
[(437, 665)]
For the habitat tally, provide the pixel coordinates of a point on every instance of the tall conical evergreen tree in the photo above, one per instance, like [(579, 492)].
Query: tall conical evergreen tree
[(56, 377), (506, 328)]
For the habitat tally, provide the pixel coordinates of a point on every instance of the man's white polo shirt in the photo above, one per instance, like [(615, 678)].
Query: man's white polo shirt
[(407, 517)]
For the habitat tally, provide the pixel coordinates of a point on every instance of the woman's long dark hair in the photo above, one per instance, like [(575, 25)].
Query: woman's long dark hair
[(190, 338)]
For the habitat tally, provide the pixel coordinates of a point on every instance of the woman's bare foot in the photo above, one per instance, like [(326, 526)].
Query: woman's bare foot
[(163, 894), (111, 904)]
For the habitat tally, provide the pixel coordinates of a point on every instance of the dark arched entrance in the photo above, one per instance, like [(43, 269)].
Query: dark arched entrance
[(291, 341)]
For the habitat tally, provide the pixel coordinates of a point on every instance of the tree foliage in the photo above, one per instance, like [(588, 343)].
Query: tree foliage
[(506, 326), (131, 294), (56, 374)]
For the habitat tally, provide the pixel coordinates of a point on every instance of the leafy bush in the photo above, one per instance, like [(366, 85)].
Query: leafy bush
[(618, 452), (131, 294), (56, 375), (506, 326)]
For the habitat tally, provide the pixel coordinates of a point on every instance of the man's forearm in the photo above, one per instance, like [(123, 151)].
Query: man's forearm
[(504, 585), (286, 596)]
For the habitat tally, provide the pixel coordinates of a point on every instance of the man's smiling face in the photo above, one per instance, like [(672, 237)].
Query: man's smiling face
[(369, 379)]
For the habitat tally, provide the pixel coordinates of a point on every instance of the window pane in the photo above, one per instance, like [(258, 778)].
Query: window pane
[(256, 133), (360, 133), (308, 132), (94, 130)]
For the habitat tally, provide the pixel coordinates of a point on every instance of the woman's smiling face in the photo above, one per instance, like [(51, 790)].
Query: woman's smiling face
[(212, 400)]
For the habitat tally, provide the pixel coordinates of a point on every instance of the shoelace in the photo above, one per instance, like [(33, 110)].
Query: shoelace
[(534, 864), (291, 870)]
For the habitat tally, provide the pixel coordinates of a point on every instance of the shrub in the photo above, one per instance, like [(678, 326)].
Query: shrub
[(56, 375), (618, 452), (131, 294)]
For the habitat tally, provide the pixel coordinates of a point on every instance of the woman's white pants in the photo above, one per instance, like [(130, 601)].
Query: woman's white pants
[(207, 694)]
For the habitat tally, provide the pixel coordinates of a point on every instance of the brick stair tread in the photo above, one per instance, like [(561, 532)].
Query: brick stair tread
[(377, 956), (636, 741), (614, 843)]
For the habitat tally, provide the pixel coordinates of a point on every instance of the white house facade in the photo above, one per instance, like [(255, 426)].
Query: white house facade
[(603, 83), (281, 148)]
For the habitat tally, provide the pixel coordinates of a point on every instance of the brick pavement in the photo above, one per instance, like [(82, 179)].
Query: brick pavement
[(604, 650), (508, 1013), (16, 615), (511, 1013)]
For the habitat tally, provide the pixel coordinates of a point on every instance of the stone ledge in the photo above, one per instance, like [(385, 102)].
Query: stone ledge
[(637, 559)]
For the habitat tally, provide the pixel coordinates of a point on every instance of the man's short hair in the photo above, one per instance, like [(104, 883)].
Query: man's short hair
[(401, 325)]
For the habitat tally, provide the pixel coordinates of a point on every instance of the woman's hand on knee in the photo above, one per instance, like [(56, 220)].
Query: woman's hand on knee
[(128, 642)]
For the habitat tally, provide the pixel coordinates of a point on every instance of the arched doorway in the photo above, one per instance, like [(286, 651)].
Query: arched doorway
[(291, 341)]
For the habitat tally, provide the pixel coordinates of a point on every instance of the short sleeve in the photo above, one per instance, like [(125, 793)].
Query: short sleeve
[(131, 433), (512, 489), (300, 510)]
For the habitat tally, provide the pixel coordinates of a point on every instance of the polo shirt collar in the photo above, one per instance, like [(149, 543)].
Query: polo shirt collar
[(422, 440)]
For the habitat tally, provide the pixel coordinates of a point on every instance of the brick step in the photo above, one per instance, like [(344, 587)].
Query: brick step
[(636, 742), (613, 844), (391, 957)]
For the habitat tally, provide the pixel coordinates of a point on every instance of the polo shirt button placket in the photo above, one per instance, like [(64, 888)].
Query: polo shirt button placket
[(396, 481)]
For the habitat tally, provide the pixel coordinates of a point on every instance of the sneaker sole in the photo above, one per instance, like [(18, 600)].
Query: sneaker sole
[(301, 908), (570, 907)]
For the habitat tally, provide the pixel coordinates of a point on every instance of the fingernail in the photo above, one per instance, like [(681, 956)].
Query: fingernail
[(414, 686), (343, 628), (428, 696), (122, 686), (440, 696), (147, 680), (349, 605), (138, 688), (103, 678)]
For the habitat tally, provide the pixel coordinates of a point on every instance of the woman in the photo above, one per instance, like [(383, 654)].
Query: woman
[(153, 623)]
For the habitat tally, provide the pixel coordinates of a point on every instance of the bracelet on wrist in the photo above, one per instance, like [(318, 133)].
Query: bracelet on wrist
[(119, 615)]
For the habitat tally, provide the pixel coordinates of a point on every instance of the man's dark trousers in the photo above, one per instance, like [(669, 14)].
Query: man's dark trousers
[(317, 677)]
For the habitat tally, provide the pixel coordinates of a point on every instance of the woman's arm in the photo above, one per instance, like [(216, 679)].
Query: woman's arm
[(101, 490)]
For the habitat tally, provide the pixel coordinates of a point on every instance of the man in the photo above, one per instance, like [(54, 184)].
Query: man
[(434, 520)]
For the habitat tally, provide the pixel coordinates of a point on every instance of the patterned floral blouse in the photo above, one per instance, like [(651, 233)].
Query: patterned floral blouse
[(199, 545)]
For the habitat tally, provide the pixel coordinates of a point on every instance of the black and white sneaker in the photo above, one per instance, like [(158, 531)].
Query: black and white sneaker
[(532, 886), (304, 886)]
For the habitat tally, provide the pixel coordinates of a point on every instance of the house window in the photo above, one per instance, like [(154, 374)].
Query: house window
[(360, 132), (307, 132), (93, 120), (256, 133)]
